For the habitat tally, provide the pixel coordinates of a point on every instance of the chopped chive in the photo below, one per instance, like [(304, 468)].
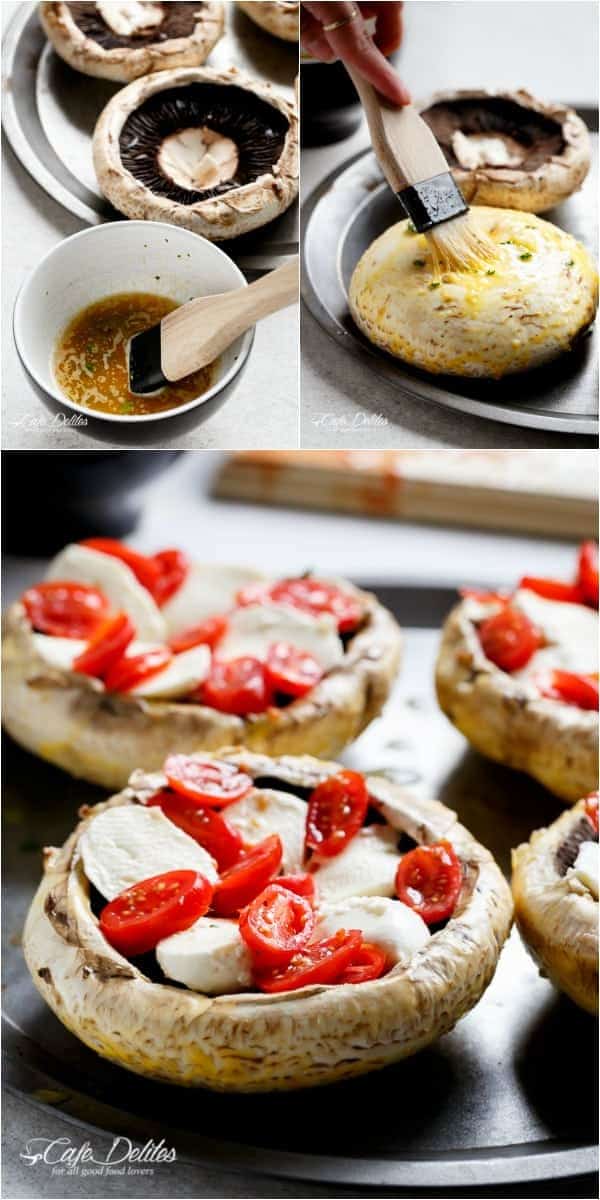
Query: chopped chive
[(571, 262), (492, 271), (526, 254), (410, 228), (434, 285), (419, 262)]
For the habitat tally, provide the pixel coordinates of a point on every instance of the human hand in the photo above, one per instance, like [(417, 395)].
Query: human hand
[(351, 42)]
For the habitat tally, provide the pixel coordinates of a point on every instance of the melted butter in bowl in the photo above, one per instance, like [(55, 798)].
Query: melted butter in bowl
[(90, 359)]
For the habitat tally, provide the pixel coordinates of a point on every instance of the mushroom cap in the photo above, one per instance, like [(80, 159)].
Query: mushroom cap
[(555, 743), (519, 311), (128, 59), (508, 149), (69, 720), (279, 17), (558, 925), (252, 1041), (219, 215)]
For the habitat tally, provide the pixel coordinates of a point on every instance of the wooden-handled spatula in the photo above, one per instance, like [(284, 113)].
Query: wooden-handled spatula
[(194, 334)]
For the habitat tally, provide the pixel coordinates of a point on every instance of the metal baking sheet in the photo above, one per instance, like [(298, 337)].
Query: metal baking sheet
[(509, 1096), (49, 112), (340, 220)]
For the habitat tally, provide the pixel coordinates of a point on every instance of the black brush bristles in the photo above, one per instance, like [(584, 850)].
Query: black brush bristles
[(144, 362)]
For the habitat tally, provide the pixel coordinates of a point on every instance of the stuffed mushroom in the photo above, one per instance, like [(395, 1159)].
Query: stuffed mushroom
[(373, 942), (122, 41), (279, 17), (518, 675), (215, 152), (555, 889), (117, 657)]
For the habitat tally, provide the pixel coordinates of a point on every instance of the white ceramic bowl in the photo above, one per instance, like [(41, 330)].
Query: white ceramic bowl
[(121, 256)]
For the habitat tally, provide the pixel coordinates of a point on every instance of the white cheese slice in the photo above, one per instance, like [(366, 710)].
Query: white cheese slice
[(58, 652), (393, 926), (254, 629), (367, 867), (128, 17), (211, 957), (263, 812), (182, 675), (207, 591), (80, 564), (585, 869), (571, 631), (126, 844)]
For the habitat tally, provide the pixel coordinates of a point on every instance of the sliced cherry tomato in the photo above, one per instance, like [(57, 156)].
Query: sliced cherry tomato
[(429, 880), (106, 646), (207, 781), (127, 673), (302, 885), (239, 686), (368, 963), (579, 690), (173, 568), (336, 811), (207, 634), (482, 596), (552, 589), (587, 573), (206, 826), (145, 569), (591, 811), (140, 917), (315, 597), (242, 882), (276, 925), (291, 671), (509, 638), (319, 962), (71, 610)]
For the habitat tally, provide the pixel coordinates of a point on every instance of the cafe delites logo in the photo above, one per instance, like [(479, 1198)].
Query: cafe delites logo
[(66, 1157)]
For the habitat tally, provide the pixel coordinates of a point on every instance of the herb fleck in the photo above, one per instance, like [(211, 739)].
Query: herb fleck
[(491, 271), (525, 255), (434, 285), (419, 262)]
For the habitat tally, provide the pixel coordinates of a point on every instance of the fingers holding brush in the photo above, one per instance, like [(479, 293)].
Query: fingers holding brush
[(338, 31)]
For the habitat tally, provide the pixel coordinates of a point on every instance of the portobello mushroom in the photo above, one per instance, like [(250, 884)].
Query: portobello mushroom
[(252, 1041), (215, 152), (123, 41), (556, 914), (509, 149), (279, 17)]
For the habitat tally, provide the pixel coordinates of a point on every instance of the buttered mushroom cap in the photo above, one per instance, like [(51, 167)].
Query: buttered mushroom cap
[(509, 149), (122, 41), (279, 17), (520, 310), (214, 152)]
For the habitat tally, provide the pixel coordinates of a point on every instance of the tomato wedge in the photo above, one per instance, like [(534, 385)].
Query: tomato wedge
[(206, 826), (106, 646), (509, 638), (173, 568), (302, 884), (368, 963), (429, 880), (207, 634), (591, 810), (242, 882), (71, 610), (239, 687), (483, 596), (571, 688), (552, 589), (587, 573), (276, 925), (319, 962), (145, 569), (127, 673), (336, 811), (206, 781), (290, 670), (140, 917), (314, 596)]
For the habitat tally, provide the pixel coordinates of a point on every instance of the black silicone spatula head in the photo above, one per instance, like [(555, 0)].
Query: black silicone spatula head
[(144, 362)]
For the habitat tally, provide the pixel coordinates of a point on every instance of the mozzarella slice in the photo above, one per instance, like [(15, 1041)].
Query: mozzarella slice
[(367, 867), (585, 869), (261, 813), (58, 652), (207, 591), (80, 564), (182, 675), (211, 957), (571, 631), (126, 844), (254, 629), (128, 17), (393, 926)]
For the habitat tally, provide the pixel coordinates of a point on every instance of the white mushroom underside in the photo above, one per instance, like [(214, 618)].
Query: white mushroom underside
[(130, 16), (486, 150), (197, 158)]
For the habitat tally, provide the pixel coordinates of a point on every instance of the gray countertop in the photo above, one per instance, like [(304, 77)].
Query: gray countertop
[(542, 45)]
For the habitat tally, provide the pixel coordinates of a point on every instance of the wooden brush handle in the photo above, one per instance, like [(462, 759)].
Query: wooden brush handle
[(403, 142), (194, 334)]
